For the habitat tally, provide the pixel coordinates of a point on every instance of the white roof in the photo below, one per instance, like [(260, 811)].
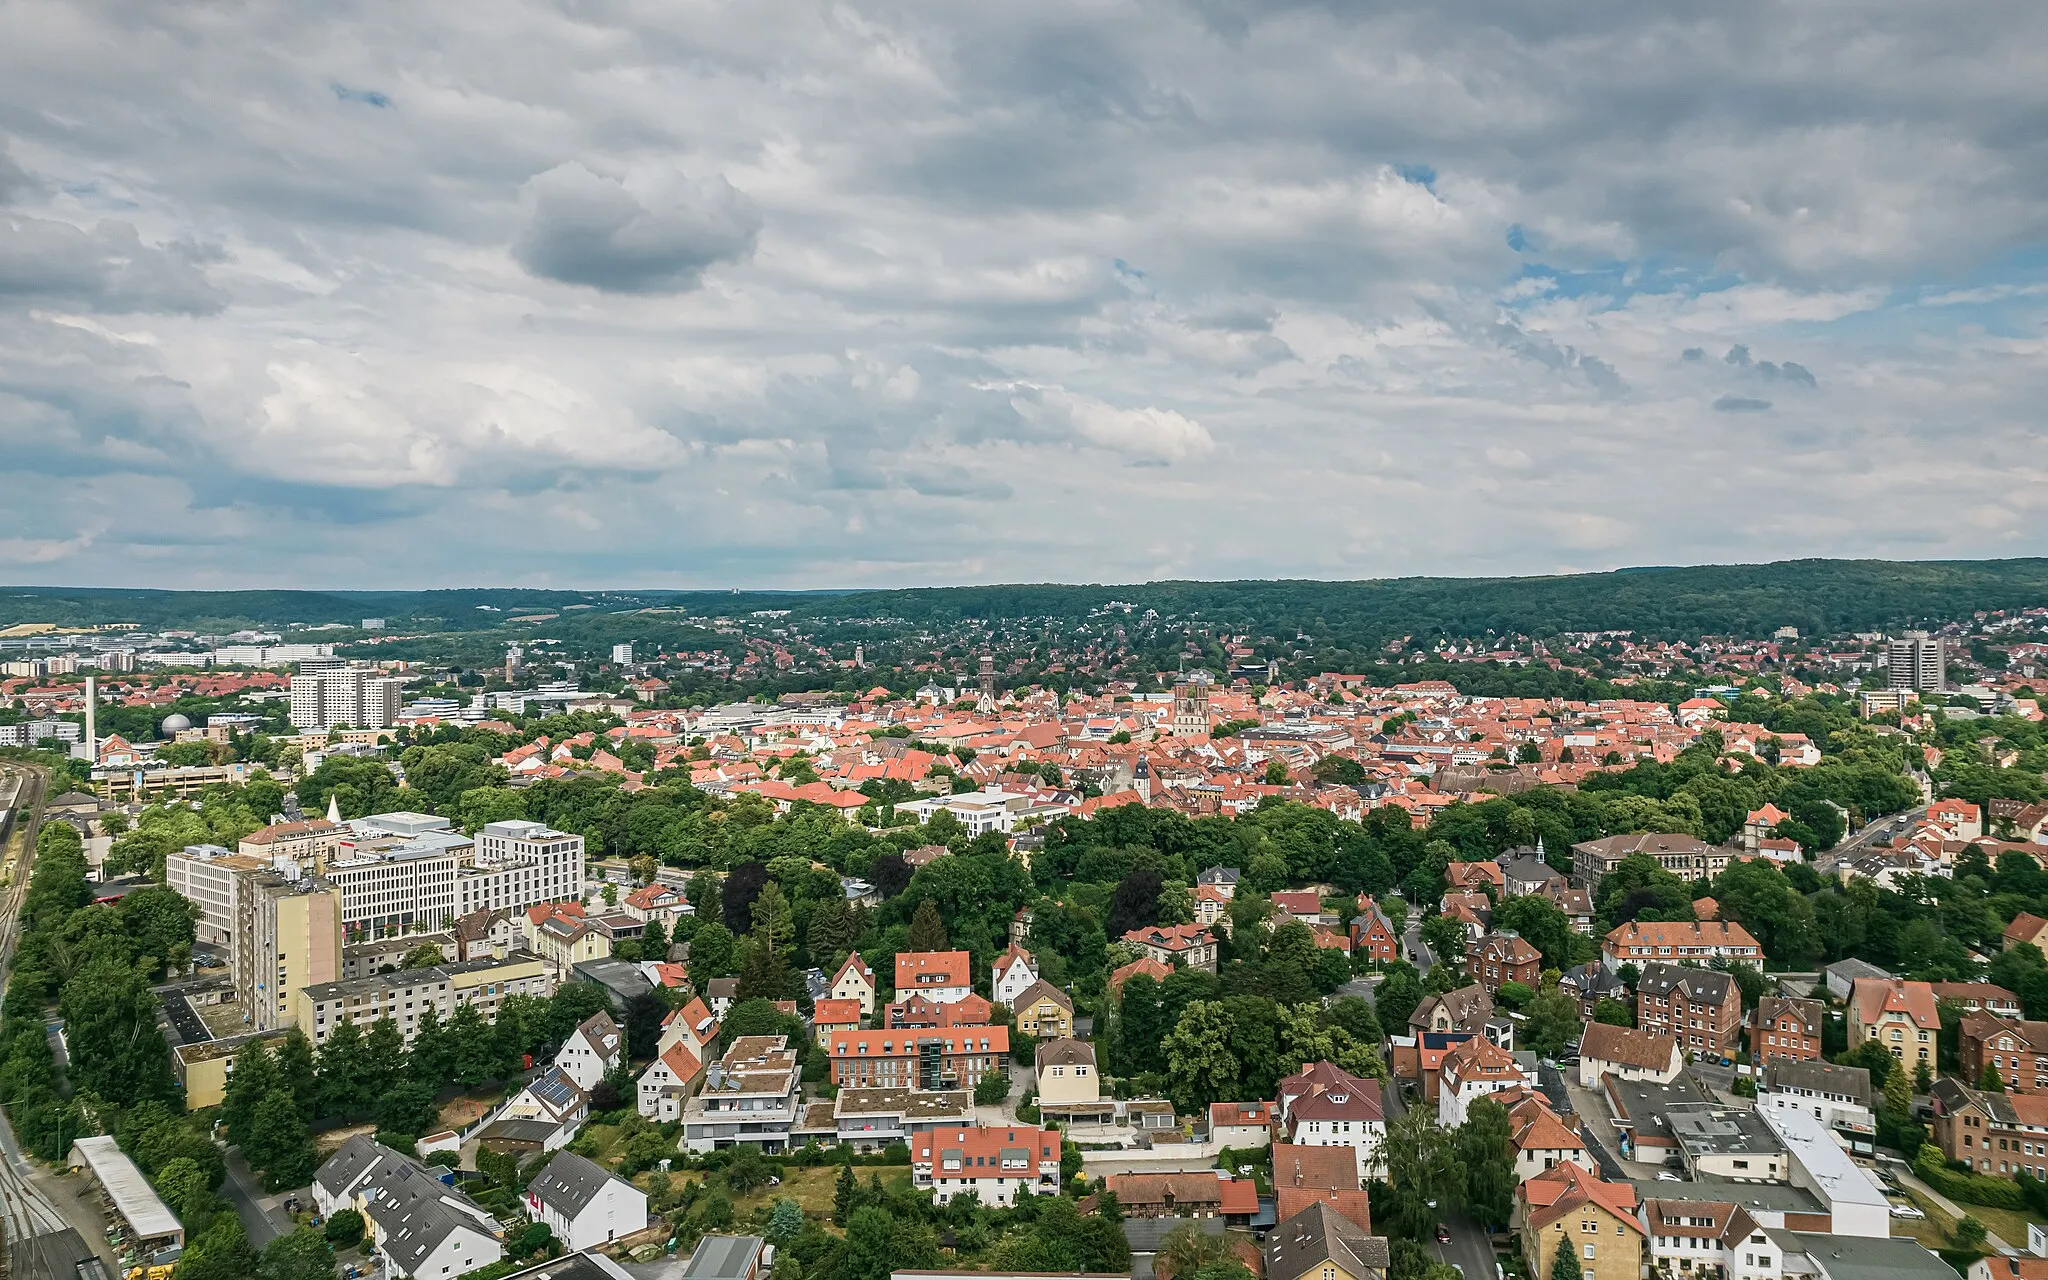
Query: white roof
[(131, 1193)]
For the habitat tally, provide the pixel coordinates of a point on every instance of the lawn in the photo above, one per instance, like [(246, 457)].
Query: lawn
[(1932, 1231), (810, 1188)]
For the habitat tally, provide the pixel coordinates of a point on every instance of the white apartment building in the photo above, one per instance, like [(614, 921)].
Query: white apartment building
[(326, 694), (206, 875), (393, 885), (519, 864)]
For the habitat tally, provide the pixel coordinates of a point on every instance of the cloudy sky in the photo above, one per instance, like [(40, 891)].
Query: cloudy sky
[(612, 293)]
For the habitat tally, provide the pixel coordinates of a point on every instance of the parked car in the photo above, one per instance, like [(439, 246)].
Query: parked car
[(1903, 1209), (1668, 1176), (1443, 1234)]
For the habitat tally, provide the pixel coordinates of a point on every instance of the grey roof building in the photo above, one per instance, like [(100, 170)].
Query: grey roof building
[(725, 1258), (570, 1183), (1319, 1234)]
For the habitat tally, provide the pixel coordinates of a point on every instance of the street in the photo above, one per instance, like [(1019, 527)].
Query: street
[(242, 1189), (1469, 1250)]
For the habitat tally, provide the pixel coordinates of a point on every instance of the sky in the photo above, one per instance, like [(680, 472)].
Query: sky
[(604, 293)]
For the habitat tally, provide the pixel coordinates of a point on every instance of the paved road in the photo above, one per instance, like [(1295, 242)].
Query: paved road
[(1413, 949), (261, 1217), (1469, 1250)]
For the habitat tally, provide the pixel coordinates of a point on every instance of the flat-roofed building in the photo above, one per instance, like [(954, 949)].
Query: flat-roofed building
[(405, 995), (205, 875), (287, 938)]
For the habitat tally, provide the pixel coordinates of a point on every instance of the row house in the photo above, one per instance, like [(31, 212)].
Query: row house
[(920, 1010), (940, 1058), (1786, 1027), (2000, 1134), (2015, 1049), (1672, 942), (993, 1163), (1977, 997), (1700, 1008)]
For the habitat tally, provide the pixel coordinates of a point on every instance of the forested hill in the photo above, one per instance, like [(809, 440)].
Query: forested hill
[(1817, 596)]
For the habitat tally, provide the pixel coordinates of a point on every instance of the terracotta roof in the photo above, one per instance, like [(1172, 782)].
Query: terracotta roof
[(1329, 1168)]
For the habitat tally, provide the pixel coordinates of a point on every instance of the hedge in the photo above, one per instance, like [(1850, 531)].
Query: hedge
[(1970, 1188)]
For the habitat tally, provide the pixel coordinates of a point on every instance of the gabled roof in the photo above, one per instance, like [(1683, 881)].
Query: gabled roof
[(1334, 1168), (569, 1183), (1319, 1234), (1559, 1190), (1043, 990)]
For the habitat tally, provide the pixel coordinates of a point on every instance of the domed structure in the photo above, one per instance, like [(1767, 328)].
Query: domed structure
[(175, 724)]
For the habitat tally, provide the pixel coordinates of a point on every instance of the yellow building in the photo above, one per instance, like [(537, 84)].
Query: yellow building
[(287, 938), (1565, 1207), (1044, 1011), (1320, 1243), (203, 1068), (1066, 1073)]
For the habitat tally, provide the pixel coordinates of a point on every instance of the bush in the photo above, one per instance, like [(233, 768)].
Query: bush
[(345, 1228)]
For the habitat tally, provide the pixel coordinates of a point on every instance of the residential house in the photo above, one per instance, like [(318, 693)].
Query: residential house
[(1222, 879), (1304, 906), (1321, 1243), (2027, 927), (829, 1016), (1145, 965), (750, 1097), (1504, 957), (993, 1163), (1066, 1076), (592, 1051), (1303, 1176), (1241, 1125), (939, 976), (1627, 1052), (935, 1058), (692, 1025), (1012, 973), (1044, 1011), (1524, 872), (1703, 941), (1462, 1009), (555, 1103), (1323, 1105), (1840, 977), (1372, 932), (1184, 1195), (1701, 1008), (855, 981), (920, 1010), (1189, 946), (584, 1204), (1212, 907), (1473, 1070), (723, 993), (417, 1225), (669, 1081), (1898, 1014), (1567, 1207), (725, 1258), (870, 1119), (1972, 997), (1999, 1134), (1786, 1027), (1591, 983), (1476, 877), (1540, 1137), (658, 902), (2015, 1049)]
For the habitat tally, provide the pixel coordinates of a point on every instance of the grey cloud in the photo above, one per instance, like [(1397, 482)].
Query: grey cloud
[(590, 230), (1738, 356), (14, 180), (1741, 404), (106, 269), (1544, 351), (1693, 355)]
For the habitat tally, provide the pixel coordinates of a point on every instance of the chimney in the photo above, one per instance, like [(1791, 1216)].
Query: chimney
[(92, 741)]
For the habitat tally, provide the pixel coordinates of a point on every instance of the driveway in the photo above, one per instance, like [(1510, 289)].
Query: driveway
[(1949, 1207)]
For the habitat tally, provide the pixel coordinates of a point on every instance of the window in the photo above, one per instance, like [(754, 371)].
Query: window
[(1589, 1251)]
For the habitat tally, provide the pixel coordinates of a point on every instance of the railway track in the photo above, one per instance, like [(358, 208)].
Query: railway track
[(24, 1212)]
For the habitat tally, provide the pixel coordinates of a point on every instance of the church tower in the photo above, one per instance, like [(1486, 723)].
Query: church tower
[(1191, 706), (986, 703)]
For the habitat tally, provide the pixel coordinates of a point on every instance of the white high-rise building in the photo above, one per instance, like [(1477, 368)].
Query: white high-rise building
[(327, 694), (520, 864), (622, 655), (1914, 660)]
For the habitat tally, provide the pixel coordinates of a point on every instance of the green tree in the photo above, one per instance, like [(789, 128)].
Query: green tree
[(279, 1143), (1898, 1094), (424, 956), (1553, 1018), (1566, 1265), (221, 1252), (1990, 1081), (1968, 1234), (844, 1192), (302, 1255), (927, 931), (785, 1221), (877, 1245), (344, 1228), (1201, 1066), (1487, 1155), (1613, 1012), (711, 953)]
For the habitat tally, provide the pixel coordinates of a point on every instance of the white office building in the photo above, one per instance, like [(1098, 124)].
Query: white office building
[(622, 655), (1914, 660), (518, 864)]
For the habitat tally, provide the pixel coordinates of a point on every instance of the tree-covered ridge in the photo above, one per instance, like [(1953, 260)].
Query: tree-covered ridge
[(1817, 596)]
